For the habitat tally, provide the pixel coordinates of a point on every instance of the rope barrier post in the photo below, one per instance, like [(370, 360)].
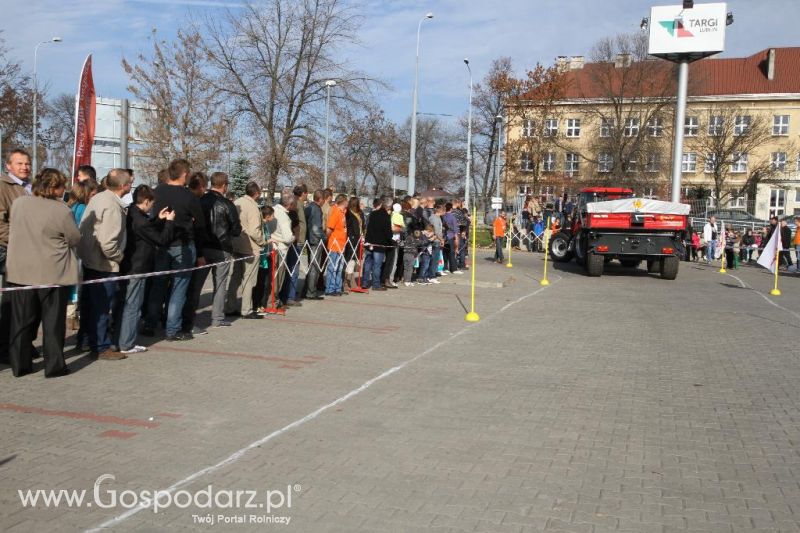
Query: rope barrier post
[(472, 316), (274, 309), (510, 240), (775, 291), (722, 266), (360, 286), (546, 253)]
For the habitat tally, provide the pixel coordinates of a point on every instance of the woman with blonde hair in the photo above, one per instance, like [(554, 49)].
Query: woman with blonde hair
[(41, 247)]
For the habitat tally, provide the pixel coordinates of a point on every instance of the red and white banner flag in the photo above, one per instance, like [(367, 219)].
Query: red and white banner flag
[(85, 103), (769, 256)]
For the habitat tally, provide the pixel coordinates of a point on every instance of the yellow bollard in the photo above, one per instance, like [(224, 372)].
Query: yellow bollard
[(722, 267), (510, 240), (546, 252), (775, 291), (472, 316)]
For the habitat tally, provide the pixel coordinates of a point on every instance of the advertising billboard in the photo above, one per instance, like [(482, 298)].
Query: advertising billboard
[(677, 33)]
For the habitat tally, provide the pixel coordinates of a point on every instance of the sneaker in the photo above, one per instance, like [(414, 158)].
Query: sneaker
[(458, 272), (223, 324), (135, 349), (198, 331), (180, 336), (408, 284), (252, 316), (108, 355), (434, 280), (444, 273)]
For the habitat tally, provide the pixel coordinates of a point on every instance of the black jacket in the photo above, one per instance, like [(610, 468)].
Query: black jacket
[(786, 237), (189, 219), (222, 221), (379, 228), (144, 235)]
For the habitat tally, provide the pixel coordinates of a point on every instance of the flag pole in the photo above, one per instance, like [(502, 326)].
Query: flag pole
[(775, 291)]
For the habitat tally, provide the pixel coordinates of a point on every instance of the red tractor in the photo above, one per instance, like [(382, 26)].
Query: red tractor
[(611, 223)]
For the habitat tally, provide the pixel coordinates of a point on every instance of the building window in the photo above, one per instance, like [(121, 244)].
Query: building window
[(653, 163), (551, 127), (739, 162), (528, 128), (549, 162), (526, 162), (691, 126), (736, 200), (606, 127), (779, 161), (523, 190), (797, 195), (546, 191), (780, 125), (655, 127), (711, 163), (571, 163), (742, 125), (631, 127), (777, 202), (573, 127), (649, 192), (632, 164), (605, 162), (689, 162), (716, 126)]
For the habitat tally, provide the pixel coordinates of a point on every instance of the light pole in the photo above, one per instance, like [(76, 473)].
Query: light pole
[(412, 158), (499, 119), (36, 98), (469, 139), (328, 85)]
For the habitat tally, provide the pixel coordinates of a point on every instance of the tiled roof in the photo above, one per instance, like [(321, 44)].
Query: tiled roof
[(707, 77)]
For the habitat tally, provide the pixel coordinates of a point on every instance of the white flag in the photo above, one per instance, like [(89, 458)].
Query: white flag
[(769, 257)]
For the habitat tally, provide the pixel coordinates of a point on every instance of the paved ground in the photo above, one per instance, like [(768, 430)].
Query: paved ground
[(624, 403)]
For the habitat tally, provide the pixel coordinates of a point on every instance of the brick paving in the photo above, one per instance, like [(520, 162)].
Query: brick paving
[(624, 403)]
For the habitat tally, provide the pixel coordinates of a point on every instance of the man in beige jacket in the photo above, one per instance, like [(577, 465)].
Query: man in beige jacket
[(248, 243), (101, 249)]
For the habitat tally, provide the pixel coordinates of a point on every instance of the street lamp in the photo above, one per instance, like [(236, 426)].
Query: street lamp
[(412, 159), (499, 119), (36, 97), (469, 138), (328, 85)]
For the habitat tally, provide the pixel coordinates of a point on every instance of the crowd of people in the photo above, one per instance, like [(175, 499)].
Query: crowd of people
[(742, 247), (122, 262)]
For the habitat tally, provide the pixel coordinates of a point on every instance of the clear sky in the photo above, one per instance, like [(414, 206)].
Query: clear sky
[(526, 30)]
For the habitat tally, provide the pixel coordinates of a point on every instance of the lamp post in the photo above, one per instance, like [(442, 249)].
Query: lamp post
[(469, 139), (328, 85), (499, 119), (36, 98), (412, 159)]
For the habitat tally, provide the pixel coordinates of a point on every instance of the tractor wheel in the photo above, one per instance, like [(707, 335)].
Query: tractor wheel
[(669, 267), (630, 263), (594, 264), (559, 247), (653, 266)]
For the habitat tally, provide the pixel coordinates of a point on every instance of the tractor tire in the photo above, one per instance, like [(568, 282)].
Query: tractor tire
[(559, 247), (653, 266), (669, 267), (594, 265), (630, 263)]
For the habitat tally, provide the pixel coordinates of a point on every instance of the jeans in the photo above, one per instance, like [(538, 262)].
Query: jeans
[(424, 266), (462, 251), (220, 274), (373, 263), (408, 265), (129, 325), (451, 254), (289, 290), (101, 296), (498, 248), (433, 261), (173, 258), (333, 281), (315, 258), (711, 250)]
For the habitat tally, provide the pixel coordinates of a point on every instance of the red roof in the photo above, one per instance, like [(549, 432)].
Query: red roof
[(707, 77)]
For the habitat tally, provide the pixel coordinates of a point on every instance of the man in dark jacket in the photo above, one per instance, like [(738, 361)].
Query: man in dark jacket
[(315, 237), (222, 226), (143, 236), (378, 239), (786, 244)]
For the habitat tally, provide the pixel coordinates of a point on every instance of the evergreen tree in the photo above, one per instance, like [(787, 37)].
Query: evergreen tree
[(240, 176)]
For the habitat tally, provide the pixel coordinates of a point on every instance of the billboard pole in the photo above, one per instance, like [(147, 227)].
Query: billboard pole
[(680, 119)]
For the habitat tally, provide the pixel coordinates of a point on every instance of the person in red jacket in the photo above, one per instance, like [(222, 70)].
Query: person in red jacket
[(500, 225)]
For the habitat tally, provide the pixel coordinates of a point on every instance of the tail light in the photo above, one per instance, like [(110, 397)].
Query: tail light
[(601, 248), (667, 251)]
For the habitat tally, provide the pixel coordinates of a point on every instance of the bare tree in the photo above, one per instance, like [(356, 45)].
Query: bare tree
[(366, 154), (188, 112), (16, 101), (732, 147), (59, 136), (272, 60), (626, 95)]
